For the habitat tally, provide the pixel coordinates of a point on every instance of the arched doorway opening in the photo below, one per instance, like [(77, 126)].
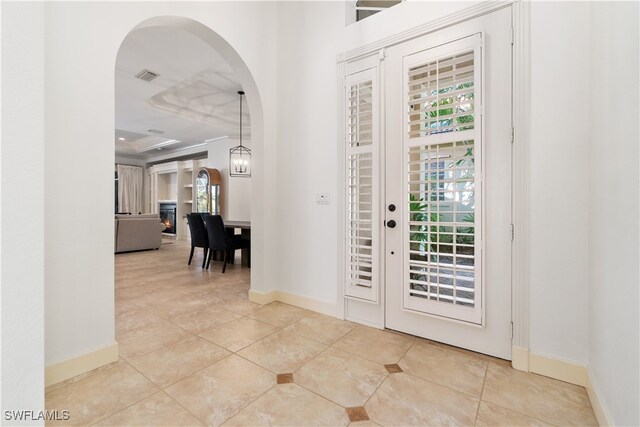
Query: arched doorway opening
[(181, 296)]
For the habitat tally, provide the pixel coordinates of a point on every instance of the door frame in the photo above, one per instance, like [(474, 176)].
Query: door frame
[(521, 90)]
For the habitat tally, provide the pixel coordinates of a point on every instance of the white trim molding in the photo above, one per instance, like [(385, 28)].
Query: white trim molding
[(558, 369), (521, 92), (597, 402), (520, 358), (319, 306), (482, 8), (70, 368)]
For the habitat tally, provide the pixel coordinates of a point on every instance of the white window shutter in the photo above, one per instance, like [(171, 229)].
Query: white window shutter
[(362, 185)]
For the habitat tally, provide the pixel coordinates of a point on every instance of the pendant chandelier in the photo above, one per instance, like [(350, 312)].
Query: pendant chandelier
[(240, 156)]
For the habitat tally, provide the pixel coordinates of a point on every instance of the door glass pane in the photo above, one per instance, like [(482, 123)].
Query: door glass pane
[(360, 218), (441, 96), (202, 192), (360, 114), (442, 226), (362, 206)]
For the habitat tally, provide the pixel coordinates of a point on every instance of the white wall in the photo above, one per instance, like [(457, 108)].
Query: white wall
[(82, 41), (22, 210), (559, 285), (613, 209), (310, 35)]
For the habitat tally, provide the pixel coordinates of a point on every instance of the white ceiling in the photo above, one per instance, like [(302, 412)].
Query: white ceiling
[(193, 99)]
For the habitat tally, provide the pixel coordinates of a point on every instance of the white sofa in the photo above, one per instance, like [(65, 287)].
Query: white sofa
[(137, 232)]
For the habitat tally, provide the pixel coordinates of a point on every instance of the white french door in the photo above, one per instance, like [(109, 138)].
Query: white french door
[(447, 185)]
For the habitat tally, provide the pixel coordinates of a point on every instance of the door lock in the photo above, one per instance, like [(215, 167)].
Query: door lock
[(391, 224), (392, 207)]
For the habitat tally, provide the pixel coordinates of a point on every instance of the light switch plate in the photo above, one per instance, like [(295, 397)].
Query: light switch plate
[(323, 199)]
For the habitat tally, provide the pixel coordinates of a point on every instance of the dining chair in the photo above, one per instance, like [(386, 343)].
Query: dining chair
[(199, 238), (219, 240)]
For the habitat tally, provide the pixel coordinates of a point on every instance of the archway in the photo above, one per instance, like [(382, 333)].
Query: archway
[(252, 100)]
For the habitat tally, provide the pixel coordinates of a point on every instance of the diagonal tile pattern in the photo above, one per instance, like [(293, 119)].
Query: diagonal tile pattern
[(389, 346), (546, 399), (290, 405), (454, 369), (282, 352), (157, 410), (178, 360), (218, 392), (410, 401), (321, 328), (341, 377), (238, 333), (195, 351)]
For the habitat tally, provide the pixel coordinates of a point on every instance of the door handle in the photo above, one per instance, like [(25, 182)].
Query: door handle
[(391, 224)]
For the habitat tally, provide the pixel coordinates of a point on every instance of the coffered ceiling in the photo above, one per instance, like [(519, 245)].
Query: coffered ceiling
[(193, 98)]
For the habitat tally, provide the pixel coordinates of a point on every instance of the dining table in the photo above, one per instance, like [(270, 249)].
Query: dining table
[(245, 231)]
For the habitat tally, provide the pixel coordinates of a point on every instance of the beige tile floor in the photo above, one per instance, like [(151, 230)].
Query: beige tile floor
[(195, 351)]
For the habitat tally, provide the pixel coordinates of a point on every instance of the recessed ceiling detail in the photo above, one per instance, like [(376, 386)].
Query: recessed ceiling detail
[(192, 100), (152, 142), (208, 96), (146, 75)]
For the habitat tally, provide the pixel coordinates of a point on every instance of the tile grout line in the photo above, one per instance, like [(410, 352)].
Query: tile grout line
[(163, 346), (248, 404), (89, 374), (204, 422), (484, 380), (134, 403)]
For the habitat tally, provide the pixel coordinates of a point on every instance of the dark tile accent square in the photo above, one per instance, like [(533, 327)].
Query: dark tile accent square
[(357, 413), (285, 378), (393, 368)]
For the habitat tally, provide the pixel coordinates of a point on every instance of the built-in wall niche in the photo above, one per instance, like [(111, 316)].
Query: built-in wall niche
[(174, 182), (167, 186)]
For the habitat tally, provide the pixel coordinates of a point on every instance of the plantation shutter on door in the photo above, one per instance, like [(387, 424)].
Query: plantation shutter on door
[(443, 168), (362, 197)]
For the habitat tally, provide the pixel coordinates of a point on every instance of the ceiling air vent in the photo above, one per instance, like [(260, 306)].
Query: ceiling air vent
[(159, 132), (146, 75)]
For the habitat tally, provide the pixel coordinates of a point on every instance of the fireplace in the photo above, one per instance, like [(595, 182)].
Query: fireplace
[(168, 217)]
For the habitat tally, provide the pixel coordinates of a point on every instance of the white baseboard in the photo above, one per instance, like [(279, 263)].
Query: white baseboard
[(564, 371), (597, 403), (262, 297), (559, 369), (570, 372), (319, 306), (69, 368)]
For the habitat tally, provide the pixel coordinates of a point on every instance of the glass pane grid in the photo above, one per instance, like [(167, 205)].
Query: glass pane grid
[(441, 222), (360, 114), (441, 96), (360, 218)]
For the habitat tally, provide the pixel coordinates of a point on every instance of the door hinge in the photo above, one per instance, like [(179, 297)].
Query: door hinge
[(513, 35), (512, 232), (513, 134), (511, 330)]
